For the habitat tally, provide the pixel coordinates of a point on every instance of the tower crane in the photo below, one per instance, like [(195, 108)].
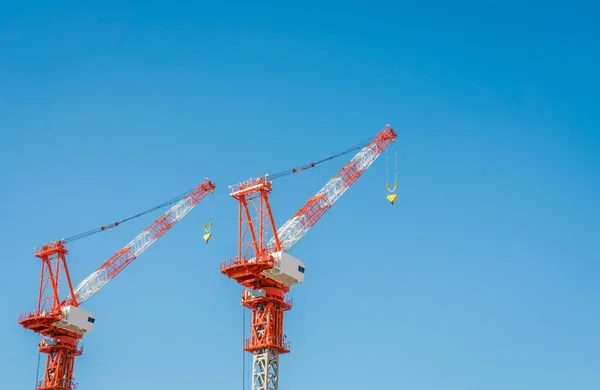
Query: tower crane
[(62, 323), (265, 269)]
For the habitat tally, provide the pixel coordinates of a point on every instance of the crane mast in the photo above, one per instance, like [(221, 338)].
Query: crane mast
[(267, 271), (62, 323)]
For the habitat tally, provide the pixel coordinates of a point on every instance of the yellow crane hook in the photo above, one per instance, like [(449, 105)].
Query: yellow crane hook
[(392, 197), (207, 236)]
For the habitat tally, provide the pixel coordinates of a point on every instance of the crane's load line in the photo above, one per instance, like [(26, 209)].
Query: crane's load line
[(313, 164), (112, 225)]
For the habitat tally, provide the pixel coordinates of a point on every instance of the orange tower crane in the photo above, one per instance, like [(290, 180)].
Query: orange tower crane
[(62, 323), (265, 269)]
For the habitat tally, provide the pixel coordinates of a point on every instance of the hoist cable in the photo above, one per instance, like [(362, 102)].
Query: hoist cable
[(395, 184), (243, 352), (395, 163), (212, 205), (386, 170), (37, 374)]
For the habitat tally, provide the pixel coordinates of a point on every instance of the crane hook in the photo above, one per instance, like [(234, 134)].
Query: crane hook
[(207, 236), (392, 197)]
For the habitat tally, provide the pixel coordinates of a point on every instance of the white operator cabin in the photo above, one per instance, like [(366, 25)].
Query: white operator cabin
[(76, 320), (287, 269)]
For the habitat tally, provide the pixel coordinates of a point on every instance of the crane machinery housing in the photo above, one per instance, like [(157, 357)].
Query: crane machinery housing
[(62, 323), (262, 265)]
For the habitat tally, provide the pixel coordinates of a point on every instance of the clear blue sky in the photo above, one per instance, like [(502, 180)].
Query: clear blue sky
[(483, 276)]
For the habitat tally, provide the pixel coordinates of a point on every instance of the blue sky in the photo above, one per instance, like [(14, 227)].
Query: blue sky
[(482, 276)]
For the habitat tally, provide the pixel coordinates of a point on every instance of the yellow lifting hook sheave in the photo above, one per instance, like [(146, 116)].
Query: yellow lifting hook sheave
[(207, 236), (392, 197)]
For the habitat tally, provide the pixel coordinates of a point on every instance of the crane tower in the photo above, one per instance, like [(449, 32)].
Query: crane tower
[(265, 269), (62, 323)]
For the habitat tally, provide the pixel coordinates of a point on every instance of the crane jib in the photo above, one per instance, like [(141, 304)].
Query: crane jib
[(125, 256), (307, 216)]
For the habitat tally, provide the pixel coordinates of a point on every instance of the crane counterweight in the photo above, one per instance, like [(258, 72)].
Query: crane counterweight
[(76, 320), (286, 269)]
